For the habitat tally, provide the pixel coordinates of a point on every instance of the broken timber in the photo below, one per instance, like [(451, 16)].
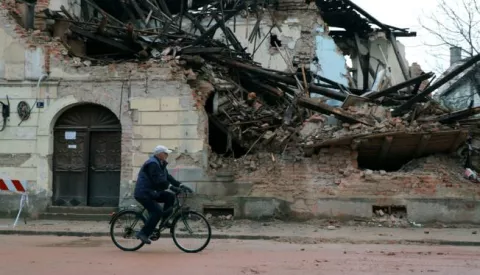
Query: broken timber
[(407, 105), (396, 88), (281, 78), (329, 110), (454, 116)]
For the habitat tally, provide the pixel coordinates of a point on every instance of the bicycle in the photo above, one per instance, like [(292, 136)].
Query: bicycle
[(180, 212)]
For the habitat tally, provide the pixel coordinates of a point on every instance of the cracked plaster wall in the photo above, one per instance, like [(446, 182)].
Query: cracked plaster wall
[(72, 6), (302, 36), (459, 93), (381, 53), (305, 35)]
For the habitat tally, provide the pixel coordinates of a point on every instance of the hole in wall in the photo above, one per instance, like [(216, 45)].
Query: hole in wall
[(217, 136), (398, 211), (388, 165), (274, 41), (98, 49), (216, 211)]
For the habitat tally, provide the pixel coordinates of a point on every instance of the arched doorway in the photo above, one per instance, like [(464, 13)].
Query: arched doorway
[(87, 157)]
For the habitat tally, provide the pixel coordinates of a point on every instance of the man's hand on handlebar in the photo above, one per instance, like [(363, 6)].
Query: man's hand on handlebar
[(186, 188), (180, 189)]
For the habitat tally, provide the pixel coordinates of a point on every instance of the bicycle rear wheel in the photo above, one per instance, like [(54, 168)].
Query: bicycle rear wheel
[(191, 227), (123, 229)]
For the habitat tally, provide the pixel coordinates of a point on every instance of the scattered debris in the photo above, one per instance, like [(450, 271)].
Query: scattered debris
[(391, 221), (415, 224), (471, 175)]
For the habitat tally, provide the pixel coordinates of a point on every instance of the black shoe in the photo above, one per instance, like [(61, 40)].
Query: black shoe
[(143, 238), (155, 235)]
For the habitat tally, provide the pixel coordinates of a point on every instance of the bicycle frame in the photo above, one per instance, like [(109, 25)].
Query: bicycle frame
[(178, 207), (178, 214)]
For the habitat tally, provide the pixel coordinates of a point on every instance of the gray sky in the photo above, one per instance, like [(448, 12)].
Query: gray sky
[(406, 14)]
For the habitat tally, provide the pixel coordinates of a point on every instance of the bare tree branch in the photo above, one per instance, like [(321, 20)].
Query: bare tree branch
[(455, 23)]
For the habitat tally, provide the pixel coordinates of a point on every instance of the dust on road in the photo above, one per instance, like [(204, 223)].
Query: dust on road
[(69, 255)]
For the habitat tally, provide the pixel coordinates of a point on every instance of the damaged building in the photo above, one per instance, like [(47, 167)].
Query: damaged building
[(266, 116)]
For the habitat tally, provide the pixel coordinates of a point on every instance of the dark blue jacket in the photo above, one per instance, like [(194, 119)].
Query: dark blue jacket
[(153, 176)]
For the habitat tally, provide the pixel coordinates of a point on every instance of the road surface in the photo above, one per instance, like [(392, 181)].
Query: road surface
[(21, 255)]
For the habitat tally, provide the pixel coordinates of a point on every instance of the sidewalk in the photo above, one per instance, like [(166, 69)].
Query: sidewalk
[(275, 230)]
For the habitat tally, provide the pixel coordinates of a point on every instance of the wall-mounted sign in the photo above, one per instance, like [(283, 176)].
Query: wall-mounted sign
[(70, 135), (72, 146)]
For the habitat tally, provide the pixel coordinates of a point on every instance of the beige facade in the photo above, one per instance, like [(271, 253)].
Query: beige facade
[(153, 105), (26, 150)]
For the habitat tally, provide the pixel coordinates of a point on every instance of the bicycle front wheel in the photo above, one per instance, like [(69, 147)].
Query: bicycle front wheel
[(123, 229), (191, 232)]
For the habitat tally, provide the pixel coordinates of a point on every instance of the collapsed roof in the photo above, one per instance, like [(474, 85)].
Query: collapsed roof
[(353, 19)]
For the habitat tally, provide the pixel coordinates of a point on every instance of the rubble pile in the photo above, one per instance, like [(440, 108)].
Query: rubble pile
[(316, 130), (395, 219), (446, 166), (434, 163), (258, 109), (393, 125), (246, 163)]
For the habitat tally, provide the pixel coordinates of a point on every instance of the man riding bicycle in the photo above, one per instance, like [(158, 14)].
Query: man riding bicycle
[(151, 188)]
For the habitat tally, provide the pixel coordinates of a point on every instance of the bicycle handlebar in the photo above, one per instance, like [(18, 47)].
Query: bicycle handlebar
[(181, 189)]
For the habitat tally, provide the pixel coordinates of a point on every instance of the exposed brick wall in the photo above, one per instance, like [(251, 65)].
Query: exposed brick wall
[(20, 9), (334, 173), (41, 5), (40, 23), (30, 39), (60, 65)]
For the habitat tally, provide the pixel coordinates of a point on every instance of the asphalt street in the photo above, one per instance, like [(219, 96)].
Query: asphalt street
[(40, 255)]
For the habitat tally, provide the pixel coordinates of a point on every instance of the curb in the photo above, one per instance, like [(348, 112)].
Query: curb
[(254, 238)]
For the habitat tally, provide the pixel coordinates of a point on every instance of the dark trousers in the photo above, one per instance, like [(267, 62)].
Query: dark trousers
[(155, 212)]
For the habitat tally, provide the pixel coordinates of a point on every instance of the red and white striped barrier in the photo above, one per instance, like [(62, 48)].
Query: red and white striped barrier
[(19, 187)]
